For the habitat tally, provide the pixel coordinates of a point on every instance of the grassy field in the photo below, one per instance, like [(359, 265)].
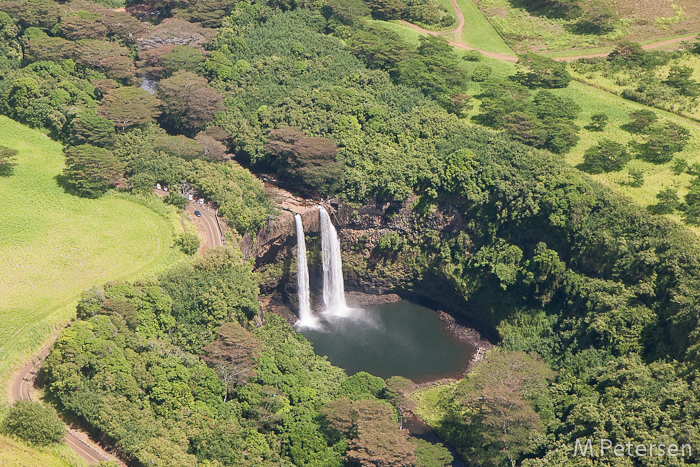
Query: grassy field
[(14, 454), (642, 21), (427, 401), (619, 81), (478, 32), (656, 177), (54, 245)]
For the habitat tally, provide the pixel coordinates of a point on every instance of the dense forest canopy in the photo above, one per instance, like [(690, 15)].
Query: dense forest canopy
[(594, 301)]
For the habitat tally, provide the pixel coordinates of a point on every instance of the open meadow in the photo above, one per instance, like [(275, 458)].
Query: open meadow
[(637, 20), (54, 245)]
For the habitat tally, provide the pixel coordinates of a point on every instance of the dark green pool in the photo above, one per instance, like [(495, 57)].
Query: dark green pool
[(395, 339)]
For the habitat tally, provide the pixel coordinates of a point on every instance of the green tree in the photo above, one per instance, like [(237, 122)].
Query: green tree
[(480, 73), (91, 170), (641, 120), (668, 201), (542, 72), (431, 455), (598, 122), (636, 178), (188, 102), (128, 106), (499, 392), (187, 242), (387, 9), (7, 161), (34, 424), (89, 128), (679, 77), (606, 156)]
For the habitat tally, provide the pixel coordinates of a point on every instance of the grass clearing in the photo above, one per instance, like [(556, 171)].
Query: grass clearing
[(13, 453), (479, 33), (54, 245), (428, 400), (656, 176)]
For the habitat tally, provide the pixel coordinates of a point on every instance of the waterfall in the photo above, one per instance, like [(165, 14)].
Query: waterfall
[(306, 317), (333, 288)]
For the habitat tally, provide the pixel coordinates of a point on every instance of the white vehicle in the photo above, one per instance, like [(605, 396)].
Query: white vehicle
[(165, 188), (201, 201), (189, 197), (157, 186)]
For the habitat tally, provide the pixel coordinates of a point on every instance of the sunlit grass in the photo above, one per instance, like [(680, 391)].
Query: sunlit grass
[(479, 32), (54, 245)]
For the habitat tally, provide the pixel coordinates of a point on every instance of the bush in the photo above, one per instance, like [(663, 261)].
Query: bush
[(606, 156), (34, 423), (480, 73), (598, 122), (472, 56), (668, 201), (188, 243), (176, 200), (636, 178)]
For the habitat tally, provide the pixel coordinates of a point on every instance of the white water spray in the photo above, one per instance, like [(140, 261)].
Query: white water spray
[(306, 317), (333, 287)]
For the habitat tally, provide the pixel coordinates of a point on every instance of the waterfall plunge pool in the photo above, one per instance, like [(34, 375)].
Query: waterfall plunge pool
[(393, 339)]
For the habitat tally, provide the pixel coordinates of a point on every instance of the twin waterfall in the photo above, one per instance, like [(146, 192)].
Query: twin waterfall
[(333, 288), (306, 317)]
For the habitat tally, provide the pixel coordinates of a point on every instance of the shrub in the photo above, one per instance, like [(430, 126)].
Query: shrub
[(188, 243), (668, 201), (176, 200), (480, 73), (34, 423), (472, 56), (598, 122), (606, 156), (636, 178)]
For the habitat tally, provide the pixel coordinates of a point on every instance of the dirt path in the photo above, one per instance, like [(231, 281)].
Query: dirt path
[(459, 43), (460, 27)]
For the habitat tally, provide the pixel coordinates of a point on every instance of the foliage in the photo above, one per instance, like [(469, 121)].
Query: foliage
[(545, 121), (188, 243), (606, 156), (188, 102), (7, 161), (480, 73), (34, 423), (91, 170), (598, 122), (128, 106), (542, 72)]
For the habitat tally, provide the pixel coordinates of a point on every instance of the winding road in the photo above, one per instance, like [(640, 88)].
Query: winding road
[(207, 224), (21, 392)]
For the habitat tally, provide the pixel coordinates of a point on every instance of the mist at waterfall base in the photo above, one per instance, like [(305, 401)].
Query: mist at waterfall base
[(394, 339)]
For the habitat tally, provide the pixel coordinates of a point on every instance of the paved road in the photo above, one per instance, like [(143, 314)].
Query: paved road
[(20, 391), (207, 224)]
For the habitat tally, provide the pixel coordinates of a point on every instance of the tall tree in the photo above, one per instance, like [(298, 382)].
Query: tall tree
[(188, 101), (91, 170), (129, 105), (499, 392), (542, 72)]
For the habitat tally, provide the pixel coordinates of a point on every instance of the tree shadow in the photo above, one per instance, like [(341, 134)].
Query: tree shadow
[(70, 189), (539, 8)]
